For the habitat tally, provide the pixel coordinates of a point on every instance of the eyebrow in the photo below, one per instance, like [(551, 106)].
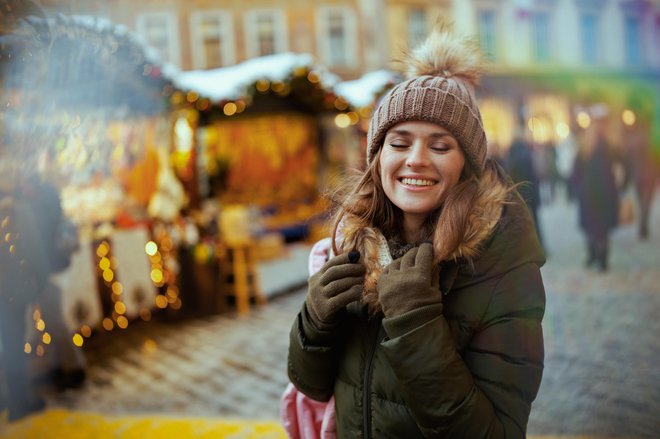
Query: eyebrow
[(434, 135)]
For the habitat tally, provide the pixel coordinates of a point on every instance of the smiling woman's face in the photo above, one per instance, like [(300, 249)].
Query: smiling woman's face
[(419, 163)]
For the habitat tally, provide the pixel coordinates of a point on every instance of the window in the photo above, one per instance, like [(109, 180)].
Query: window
[(265, 32), (417, 30), (212, 39), (161, 31), (487, 33), (632, 40), (589, 37), (337, 36), (541, 36)]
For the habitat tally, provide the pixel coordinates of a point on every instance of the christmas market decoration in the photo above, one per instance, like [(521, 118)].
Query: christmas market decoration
[(86, 103)]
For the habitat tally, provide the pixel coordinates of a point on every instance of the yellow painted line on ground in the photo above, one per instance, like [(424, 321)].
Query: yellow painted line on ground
[(59, 423)]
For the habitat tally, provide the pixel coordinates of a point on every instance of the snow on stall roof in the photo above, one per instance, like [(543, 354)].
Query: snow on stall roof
[(231, 82), (361, 92)]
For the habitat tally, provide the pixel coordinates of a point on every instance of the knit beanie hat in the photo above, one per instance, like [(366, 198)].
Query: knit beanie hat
[(443, 73)]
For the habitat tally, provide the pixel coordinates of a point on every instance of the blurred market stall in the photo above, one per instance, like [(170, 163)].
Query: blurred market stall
[(85, 106)]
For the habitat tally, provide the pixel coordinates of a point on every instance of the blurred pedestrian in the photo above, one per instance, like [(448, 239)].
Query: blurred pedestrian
[(642, 169), (596, 189), (521, 169), (426, 319), (30, 222), (24, 270)]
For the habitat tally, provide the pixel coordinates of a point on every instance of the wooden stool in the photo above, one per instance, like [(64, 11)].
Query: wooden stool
[(240, 265)]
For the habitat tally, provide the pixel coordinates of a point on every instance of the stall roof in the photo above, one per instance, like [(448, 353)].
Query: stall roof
[(363, 92), (233, 82)]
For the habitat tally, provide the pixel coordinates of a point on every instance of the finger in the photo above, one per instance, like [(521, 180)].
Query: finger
[(341, 285), (424, 257), (337, 260), (408, 260), (351, 295), (341, 271)]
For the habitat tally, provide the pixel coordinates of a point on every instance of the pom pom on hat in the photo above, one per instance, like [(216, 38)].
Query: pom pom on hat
[(443, 73)]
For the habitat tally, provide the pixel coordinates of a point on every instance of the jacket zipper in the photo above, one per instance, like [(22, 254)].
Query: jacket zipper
[(366, 385)]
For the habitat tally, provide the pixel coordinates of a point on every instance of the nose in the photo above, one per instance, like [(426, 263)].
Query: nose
[(418, 155)]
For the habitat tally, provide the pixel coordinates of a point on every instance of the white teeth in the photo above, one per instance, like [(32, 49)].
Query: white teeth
[(417, 182)]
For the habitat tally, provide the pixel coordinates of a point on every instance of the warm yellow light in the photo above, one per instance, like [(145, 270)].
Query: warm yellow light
[(36, 315), (122, 322), (342, 120), (149, 346), (262, 85), (8, 237), (277, 87), (78, 340), (240, 106), (172, 292), (108, 275), (27, 348), (12, 249), (313, 77), (108, 324), (156, 275), (41, 351), (86, 331), (176, 305), (120, 308), (117, 288), (151, 248), (341, 104), (104, 263), (102, 249), (562, 130), (353, 117), (229, 109), (40, 325), (5, 222), (583, 119), (192, 96), (161, 301), (145, 314), (45, 338), (628, 117)]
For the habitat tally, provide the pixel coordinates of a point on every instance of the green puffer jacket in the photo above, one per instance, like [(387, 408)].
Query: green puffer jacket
[(467, 368)]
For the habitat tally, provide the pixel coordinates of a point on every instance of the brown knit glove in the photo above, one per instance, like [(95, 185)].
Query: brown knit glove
[(335, 285), (410, 282)]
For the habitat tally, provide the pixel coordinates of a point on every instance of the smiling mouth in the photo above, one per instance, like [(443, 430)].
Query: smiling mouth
[(417, 181)]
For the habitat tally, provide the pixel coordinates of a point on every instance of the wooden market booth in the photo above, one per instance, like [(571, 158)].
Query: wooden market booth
[(86, 104)]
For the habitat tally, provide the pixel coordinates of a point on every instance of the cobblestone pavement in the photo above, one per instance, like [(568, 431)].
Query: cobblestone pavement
[(601, 330)]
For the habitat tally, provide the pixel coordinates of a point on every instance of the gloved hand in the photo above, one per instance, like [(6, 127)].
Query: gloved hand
[(335, 285), (410, 282)]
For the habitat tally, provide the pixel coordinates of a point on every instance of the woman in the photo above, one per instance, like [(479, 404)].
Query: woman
[(427, 322), (596, 189)]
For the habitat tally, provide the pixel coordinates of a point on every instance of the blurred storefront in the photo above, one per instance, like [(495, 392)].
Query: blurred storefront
[(267, 134), (552, 102)]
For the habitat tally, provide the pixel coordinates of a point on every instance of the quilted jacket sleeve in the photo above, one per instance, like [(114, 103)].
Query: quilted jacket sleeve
[(312, 362), (487, 392)]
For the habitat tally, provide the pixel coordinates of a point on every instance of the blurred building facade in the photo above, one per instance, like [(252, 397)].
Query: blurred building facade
[(547, 57)]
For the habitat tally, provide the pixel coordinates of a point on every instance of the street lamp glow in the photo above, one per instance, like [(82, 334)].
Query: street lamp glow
[(628, 117)]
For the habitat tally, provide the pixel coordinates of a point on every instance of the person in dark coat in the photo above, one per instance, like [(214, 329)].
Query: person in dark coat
[(29, 214), (596, 189), (520, 167), (642, 170), (426, 319)]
